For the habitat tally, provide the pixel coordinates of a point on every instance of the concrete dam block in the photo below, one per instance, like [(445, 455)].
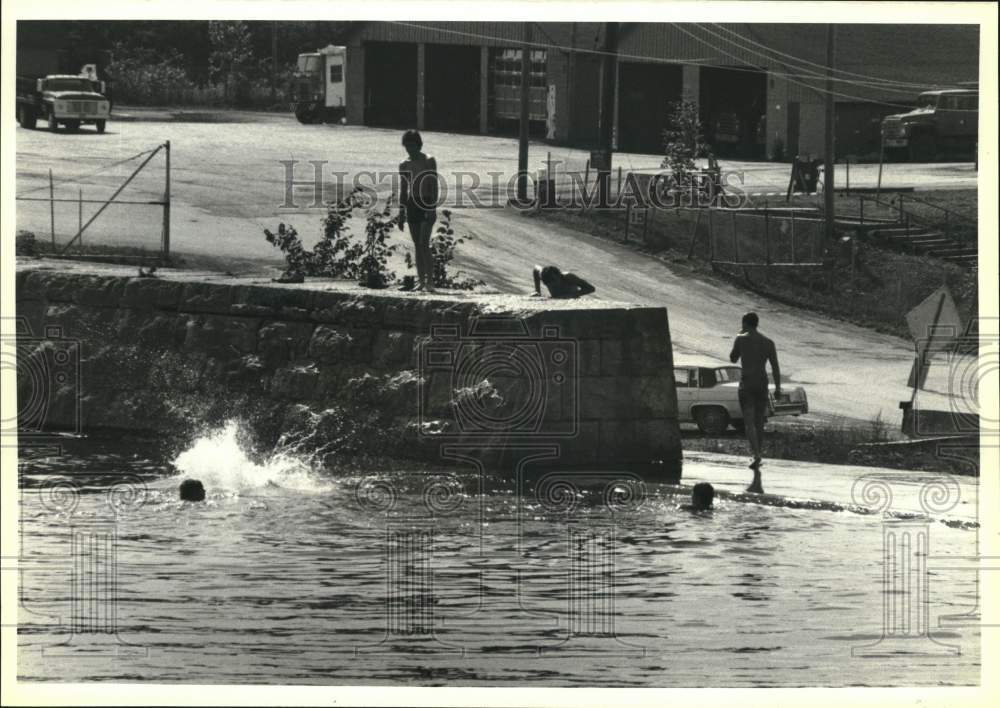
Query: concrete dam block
[(510, 381)]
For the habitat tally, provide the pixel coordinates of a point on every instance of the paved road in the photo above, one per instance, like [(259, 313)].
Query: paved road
[(228, 183)]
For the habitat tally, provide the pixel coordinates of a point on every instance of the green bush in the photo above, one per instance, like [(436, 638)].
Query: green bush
[(338, 254)]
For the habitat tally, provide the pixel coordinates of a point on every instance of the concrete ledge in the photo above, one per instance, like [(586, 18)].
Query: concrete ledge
[(364, 371)]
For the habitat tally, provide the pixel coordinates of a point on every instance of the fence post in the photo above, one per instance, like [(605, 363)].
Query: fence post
[(619, 181), (694, 233), (767, 238), (52, 209), (711, 238), (166, 208), (795, 257), (736, 241)]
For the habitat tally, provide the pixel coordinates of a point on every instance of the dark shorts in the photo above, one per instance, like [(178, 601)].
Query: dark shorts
[(417, 215), (755, 398)]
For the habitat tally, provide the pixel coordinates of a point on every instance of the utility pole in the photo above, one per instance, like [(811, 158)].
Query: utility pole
[(610, 69), (522, 148), (274, 61), (829, 143)]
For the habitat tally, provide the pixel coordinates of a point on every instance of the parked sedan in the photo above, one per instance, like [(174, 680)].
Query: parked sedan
[(708, 395)]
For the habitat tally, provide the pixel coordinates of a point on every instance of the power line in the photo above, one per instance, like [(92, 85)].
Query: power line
[(645, 58), (820, 91), (875, 79), (810, 74)]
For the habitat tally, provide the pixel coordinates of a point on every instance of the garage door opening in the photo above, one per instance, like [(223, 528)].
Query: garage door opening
[(644, 94), (452, 85), (733, 107), (391, 84), (858, 129), (505, 92)]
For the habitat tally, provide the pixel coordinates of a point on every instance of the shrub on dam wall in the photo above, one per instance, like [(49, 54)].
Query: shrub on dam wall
[(343, 373)]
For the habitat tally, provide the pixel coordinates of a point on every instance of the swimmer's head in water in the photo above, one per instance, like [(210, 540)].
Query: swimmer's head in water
[(703, 495), (550, 275), (750, 320), (192, 490)]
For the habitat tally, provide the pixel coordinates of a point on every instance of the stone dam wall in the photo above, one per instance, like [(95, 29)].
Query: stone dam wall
[(495, 379)]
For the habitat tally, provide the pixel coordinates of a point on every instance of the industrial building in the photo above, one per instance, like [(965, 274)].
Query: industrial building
[(759, 87)]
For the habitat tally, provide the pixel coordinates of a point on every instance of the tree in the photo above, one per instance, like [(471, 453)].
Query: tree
[(231, 51), (683, 140)]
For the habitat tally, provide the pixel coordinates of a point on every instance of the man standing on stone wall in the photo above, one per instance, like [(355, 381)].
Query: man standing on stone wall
[(753, 350)]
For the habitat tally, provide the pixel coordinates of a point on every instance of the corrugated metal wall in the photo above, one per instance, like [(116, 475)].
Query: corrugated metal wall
[(892, 63)]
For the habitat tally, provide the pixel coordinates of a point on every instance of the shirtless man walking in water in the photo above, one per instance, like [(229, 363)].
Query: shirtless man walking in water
[(418, 196), (753, 350)]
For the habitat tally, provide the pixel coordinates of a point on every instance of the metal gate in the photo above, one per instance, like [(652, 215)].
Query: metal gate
[(76, 242), (764, 239)]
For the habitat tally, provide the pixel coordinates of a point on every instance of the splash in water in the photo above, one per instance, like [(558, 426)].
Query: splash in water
[(220, 461)]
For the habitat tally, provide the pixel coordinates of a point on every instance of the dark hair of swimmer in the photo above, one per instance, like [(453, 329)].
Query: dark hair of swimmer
[(750, 321), (702, 496), (412, 137), (560, 284), (550, 274), (192, 490)]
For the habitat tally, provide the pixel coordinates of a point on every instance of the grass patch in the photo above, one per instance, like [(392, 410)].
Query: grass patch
[(872, 443)]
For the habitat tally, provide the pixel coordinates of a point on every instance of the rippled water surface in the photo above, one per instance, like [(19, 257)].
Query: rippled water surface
[(286, 576)]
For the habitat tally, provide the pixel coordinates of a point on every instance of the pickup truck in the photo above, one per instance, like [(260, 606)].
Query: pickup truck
[(708, 395), (62, 99), (945, 121)]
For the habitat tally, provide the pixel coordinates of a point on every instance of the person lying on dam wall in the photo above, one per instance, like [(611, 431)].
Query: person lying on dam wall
[(559, 284)]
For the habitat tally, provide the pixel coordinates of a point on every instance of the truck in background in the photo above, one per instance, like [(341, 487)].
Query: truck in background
[(46, 91), (944, 123), (320, 86)]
